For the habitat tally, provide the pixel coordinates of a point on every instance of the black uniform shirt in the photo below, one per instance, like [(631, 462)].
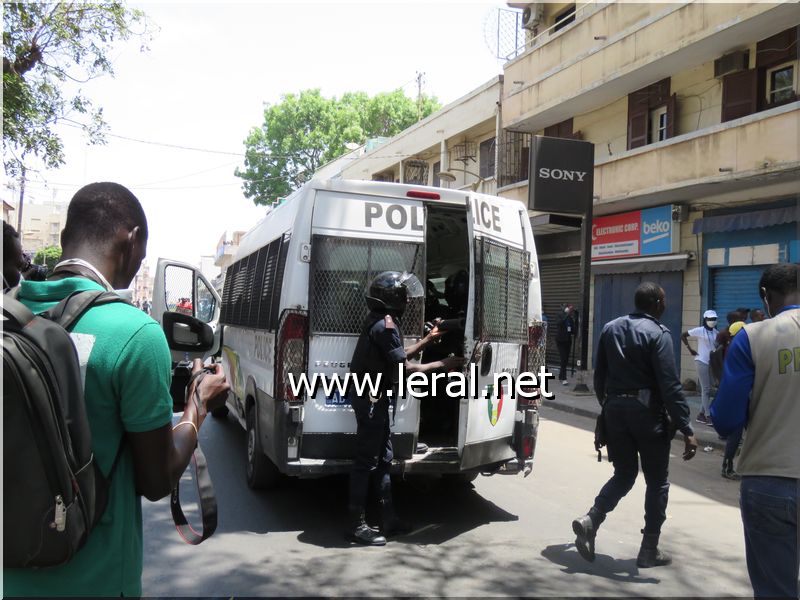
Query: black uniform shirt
[(635, 353), (379, 349)]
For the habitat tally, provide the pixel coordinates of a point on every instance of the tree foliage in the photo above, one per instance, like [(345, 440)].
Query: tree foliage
[(48, 256), (307, 130), (48, 45)]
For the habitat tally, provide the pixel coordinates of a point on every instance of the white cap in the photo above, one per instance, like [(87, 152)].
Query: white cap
[(710, 314)]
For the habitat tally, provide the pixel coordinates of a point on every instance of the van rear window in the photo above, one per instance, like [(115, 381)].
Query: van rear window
[(341, 269), (502, 277)]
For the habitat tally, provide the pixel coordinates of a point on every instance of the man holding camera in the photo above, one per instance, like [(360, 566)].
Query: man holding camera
[(126, 391)]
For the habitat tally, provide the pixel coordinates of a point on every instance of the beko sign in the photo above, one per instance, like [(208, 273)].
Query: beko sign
[(563, 175)]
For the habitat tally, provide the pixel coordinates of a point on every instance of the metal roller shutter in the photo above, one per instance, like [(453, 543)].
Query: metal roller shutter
[(734, 287), (560, 279)]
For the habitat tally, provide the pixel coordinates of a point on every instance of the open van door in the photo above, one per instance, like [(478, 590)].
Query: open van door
[(498, 327), (187, 307)]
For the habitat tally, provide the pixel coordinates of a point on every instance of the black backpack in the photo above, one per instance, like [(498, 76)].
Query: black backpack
[(54, 492)]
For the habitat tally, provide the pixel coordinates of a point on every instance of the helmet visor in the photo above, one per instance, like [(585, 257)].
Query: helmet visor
[(413, 285)]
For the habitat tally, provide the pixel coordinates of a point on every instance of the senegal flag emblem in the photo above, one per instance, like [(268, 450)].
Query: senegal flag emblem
[(494, 404)]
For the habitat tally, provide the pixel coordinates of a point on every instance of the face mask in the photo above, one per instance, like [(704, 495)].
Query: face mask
[(566, 311), (711, 323)]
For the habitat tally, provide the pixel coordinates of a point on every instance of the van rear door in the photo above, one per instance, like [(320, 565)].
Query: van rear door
[(499, 285), (354, 237)]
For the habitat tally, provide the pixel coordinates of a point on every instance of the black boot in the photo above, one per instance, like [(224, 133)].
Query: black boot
[(649, 554), (362, 533), (391, 524), (585, 529), (728, 472)]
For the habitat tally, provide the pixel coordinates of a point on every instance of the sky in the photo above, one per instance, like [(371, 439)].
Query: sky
[(203, 83)]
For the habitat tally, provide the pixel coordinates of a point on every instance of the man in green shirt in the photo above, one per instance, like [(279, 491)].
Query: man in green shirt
[(126, 367)]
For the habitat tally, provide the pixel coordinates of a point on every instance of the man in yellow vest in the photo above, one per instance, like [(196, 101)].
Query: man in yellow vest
[(759, 390)]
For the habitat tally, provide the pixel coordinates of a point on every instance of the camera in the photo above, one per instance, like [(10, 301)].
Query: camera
[(35, 272)]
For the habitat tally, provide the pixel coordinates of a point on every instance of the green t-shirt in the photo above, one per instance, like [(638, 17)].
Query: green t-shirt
[(127, 380)]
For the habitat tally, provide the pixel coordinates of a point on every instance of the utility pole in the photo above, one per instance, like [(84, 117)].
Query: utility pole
[(21, 200), (419, 95)]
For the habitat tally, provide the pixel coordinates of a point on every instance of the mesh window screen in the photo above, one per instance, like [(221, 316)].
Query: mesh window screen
[(502, 287), (178, 289), (252, 291), (341, 269)]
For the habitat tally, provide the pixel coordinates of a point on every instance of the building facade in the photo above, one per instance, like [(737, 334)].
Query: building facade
[(42, 223), (693, 113)]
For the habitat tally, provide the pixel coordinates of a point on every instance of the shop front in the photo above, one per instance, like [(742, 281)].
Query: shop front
[(739, 244), (632, 247)]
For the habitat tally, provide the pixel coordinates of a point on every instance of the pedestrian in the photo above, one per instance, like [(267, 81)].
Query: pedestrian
[(724, 340), (759, 390), (378, 354), (706, 337), (637, 385), (565, 333), (756, 315), (13, 258), (126, 391)]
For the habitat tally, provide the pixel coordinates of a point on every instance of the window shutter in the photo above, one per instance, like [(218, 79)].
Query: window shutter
[(739, 94), (672, 115), (487, 158), (637, 125), (777, 49), (659, 93), (560, 130)]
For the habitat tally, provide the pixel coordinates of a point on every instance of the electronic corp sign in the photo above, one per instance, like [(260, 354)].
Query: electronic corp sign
[(637, 233)]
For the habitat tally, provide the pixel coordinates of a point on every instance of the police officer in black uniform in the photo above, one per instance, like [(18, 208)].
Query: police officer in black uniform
[(379, 351), (637, 385)]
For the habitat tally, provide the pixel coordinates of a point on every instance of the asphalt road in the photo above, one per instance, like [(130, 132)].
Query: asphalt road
[(503, 535)]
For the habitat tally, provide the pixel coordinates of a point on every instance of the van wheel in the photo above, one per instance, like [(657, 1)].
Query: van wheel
[(261, 471), (220, 413), (459, 479)]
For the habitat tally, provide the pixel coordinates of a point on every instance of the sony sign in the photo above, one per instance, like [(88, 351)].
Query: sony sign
[(563, 175)]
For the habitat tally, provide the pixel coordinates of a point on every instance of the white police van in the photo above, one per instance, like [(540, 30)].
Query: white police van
[(293, 302)]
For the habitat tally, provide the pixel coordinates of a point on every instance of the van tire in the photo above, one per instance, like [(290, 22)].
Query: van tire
[(261, 472), (459, 479), (220, 413)]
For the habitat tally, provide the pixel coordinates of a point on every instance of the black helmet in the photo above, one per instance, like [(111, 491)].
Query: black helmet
[(391, 290)]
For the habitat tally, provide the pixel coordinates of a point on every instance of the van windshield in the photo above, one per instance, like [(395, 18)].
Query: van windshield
[(341, 269)]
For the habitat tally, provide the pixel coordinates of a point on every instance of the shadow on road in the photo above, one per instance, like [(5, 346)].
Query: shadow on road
[(623, 571), (318, 507)]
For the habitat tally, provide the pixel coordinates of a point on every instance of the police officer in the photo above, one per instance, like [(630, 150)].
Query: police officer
[(637, 385), (379, 351)]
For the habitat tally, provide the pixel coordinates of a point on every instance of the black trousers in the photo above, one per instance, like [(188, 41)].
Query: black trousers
[(563, 354), (373, 453), (636, 432)]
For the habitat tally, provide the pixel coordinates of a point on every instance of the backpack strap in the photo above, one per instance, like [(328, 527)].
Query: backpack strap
[(74, 306), (15, 310)]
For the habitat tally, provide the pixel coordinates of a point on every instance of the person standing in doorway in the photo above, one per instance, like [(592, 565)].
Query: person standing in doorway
[(759, 391), (564, 335), (637, 385), (706, 342)]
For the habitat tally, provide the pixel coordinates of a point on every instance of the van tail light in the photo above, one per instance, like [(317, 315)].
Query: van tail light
[(292, 354), (537, 335), (423, 195), (528, 444)]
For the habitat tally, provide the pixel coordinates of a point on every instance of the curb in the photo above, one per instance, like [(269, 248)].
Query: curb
[(716, 444)]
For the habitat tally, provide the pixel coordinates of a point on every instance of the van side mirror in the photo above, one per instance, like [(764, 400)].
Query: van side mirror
[(185, 333)]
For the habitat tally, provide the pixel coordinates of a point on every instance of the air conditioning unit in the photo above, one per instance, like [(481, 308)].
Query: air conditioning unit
[(680, 213), (532, 15), (731, 63)]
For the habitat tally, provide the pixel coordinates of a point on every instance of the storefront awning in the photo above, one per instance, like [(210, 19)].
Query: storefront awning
[(749, 220), (649, 264)]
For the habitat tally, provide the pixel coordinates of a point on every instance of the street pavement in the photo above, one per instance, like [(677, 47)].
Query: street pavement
[(585, 404), (501, 536)]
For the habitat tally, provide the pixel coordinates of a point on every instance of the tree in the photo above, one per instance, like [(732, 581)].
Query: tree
[(48, 256), (307, 130), (45, 46)]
